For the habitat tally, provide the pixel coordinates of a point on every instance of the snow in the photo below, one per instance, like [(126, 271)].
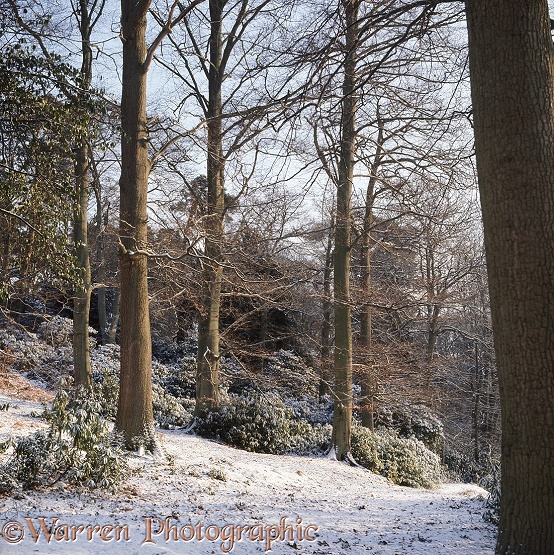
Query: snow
[(201, 486)]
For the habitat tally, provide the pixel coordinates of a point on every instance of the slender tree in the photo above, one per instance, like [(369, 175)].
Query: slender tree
[(207, 375), (87, 16), (342, 414), (512, 82), (234, 114)]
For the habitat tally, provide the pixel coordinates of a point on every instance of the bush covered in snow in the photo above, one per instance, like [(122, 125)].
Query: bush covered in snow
[(58, 332), (263, 424), (173, 386), (290, 375), (177, 378), (413, 421), (170, 411), (311, 409), (76, 449), (405, 461), (31, 355)]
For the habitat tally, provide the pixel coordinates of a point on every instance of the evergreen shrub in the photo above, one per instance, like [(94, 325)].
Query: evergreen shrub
[(405, 461), (171, 389), (77, 448), (263, 424), (416, 421)]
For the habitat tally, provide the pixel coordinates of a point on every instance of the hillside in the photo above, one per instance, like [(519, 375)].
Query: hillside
[(202, 486)]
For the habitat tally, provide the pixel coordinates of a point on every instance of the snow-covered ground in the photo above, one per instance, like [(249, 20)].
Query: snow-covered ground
[(243, 503)]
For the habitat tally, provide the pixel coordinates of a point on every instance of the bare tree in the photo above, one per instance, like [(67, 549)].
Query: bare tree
[(227, 72), (87, 15), (134, 414)]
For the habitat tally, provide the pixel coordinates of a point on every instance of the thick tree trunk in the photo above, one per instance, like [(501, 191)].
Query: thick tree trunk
[(134, 414), (511, 63), (207, 373), (342, 414)]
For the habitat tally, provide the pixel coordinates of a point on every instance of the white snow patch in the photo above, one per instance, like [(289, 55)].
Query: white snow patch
[(204, 483)]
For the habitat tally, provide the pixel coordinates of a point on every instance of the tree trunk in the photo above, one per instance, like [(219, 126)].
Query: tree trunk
[(114, 321), (324, 380), (511, 63), (342, 414), (81, 303), (207, 372), (477, 387), (367, 379), (433, 329), (101, 265), (134, 414)]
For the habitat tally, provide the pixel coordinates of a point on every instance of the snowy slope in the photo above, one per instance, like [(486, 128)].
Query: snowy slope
[(309, 505)]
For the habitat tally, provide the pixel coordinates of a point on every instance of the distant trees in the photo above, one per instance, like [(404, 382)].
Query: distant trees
[(511, 65), (373, 60), (225, 69), (266, 107)]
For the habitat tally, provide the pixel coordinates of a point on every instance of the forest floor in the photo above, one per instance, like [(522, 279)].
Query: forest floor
[(204, 497)]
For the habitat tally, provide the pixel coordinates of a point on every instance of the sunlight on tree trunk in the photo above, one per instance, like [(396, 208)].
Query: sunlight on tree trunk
[(207, 375), (342, 415), (511, 63), (134, 414), (81, 304)]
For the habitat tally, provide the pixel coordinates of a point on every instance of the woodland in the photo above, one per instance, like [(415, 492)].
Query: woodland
[(276, 224)]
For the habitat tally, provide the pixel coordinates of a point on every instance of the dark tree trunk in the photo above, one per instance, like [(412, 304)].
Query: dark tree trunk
[(511, 63), (134, 414), (342, 414), (207, 374)]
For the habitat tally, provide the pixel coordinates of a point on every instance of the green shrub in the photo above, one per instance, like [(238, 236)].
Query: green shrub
[(170, 412), (76, 449), (365, 449), (264, 425), (413, 421), (405, 461)]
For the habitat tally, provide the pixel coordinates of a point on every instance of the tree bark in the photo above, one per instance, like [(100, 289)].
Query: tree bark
[(81, 304), (114, 321), (134, 414), (367, 379), (324, 380), (511, 64), (207, 372), (342, 414)]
